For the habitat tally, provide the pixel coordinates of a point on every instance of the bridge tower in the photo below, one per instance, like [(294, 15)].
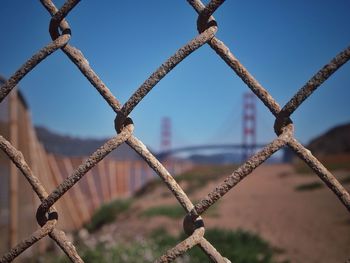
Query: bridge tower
[(249, 125), (165, 141)]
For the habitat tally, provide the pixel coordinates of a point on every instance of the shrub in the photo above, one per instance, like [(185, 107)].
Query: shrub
[(172, 211), (238, 246), (175, 211), (107, 213), (309, 186), (199, 177)]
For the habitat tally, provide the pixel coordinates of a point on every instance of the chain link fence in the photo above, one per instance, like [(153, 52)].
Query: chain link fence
[(110, 179), (193, 224)]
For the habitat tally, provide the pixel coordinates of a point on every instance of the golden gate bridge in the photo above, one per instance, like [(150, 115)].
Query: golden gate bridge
[(247, 147)]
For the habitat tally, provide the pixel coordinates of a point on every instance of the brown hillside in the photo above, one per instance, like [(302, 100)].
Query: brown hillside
[(334, 141), (294, 213)]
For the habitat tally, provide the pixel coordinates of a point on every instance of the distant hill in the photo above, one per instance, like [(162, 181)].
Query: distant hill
[(334, 141), (73, 146)]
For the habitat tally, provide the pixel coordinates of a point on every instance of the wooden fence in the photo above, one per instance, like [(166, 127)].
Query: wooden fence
[(108, 180)]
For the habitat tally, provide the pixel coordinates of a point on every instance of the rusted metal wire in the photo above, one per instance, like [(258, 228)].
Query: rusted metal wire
[(193, 224)]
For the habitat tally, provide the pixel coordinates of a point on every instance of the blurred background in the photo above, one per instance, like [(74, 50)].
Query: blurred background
[(201, 121)]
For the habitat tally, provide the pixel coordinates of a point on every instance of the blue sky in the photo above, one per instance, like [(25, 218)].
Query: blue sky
[(282, 43)]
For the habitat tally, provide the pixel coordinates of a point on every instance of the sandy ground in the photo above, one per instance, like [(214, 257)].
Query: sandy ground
[(309, 226)]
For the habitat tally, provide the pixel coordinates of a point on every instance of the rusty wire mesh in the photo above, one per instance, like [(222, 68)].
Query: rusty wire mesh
[(193, 223)]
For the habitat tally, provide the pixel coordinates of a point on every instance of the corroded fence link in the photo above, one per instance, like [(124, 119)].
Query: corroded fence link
[(26, 243), (325, 175), (164, 69), (240, 173), (320, 77), (183, 246), (97, 156), (77, 57), (193, 223), (47, 227), (152, 161)]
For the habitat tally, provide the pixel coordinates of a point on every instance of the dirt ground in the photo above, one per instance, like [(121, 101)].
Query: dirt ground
[(308, 226)]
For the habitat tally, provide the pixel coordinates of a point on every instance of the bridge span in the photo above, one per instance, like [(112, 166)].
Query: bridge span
[(234, 146)]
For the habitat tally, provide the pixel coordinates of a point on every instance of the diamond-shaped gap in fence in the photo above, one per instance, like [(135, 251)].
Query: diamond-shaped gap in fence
[(198, 112), (322, 103), (79, 109)]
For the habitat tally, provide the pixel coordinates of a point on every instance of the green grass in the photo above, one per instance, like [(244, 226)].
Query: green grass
[(107, 213), (194, 179), (172, 211), (199, 177), (238, 246), (175, 211), (309, 186)]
